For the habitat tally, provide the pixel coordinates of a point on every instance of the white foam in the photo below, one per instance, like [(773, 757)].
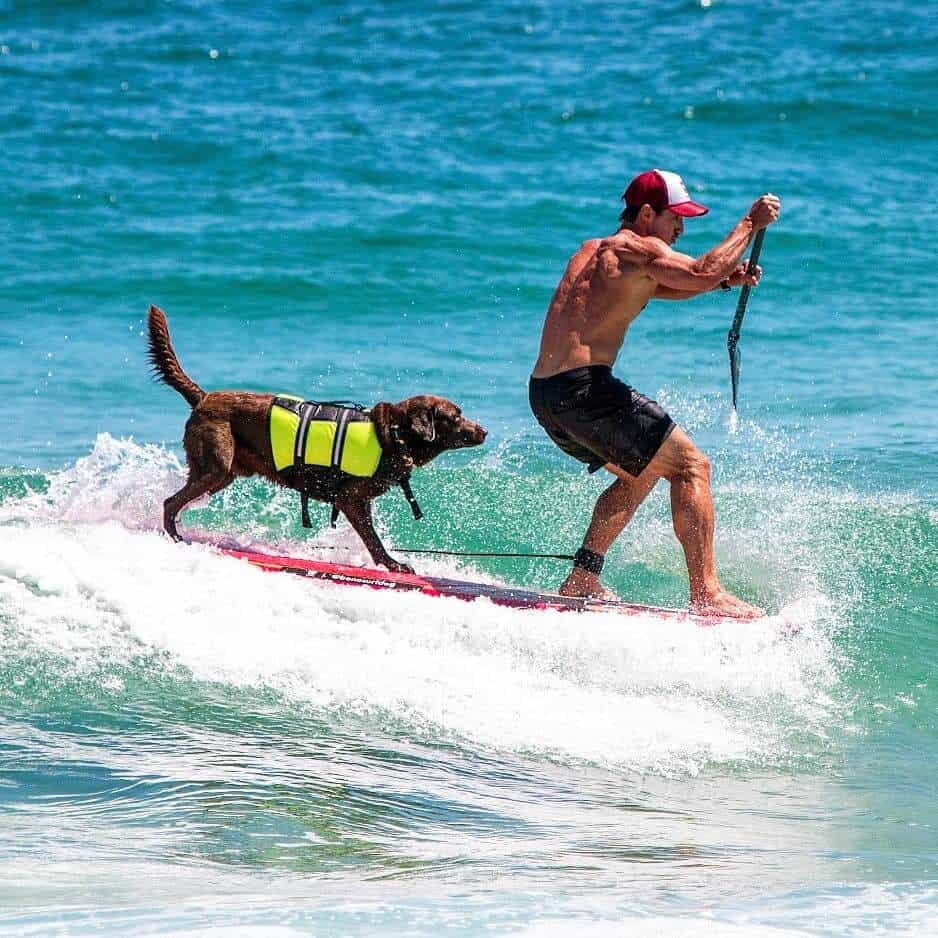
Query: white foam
[(87, 578), (635, 693), (118, 480), (662, 926)]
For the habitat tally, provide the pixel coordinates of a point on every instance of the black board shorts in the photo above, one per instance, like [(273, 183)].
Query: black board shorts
[(598, 419)]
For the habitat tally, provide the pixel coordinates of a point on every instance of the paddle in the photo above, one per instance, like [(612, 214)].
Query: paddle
[(732, 338)]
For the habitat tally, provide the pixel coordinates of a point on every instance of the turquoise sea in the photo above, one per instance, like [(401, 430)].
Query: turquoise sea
[(368, 201)]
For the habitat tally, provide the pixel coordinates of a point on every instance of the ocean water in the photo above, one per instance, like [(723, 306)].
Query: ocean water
[(370, 201)]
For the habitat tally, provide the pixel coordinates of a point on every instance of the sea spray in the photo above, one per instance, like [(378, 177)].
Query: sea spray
[(649, 696)]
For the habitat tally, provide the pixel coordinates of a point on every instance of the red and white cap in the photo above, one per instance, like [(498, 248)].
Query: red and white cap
[(661, 190)]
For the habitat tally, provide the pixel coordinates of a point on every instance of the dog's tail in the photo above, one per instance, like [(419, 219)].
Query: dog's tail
[(166, 366)]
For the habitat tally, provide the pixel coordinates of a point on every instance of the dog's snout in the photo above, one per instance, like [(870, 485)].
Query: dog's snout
[(475, 432)]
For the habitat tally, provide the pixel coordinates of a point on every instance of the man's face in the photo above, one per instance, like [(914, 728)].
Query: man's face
[(668, 226)]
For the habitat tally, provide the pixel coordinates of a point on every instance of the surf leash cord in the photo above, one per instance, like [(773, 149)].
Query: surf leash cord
[(481, 553), (459, 553), (732, 338)]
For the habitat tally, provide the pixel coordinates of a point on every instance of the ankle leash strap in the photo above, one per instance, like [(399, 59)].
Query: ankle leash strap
[(589, 560)]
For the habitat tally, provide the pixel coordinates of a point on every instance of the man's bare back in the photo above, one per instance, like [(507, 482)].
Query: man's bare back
[(601, 293)]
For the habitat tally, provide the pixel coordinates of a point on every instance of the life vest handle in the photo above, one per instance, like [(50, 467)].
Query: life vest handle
[(351, 405)]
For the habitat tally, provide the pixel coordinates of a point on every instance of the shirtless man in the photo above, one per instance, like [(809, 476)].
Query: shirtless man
[(596, 418)]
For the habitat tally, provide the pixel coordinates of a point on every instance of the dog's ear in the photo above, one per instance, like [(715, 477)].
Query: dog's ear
[(384, 416), (423, 422)]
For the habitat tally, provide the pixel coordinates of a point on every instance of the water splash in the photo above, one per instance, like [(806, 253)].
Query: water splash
[(732, 421), (94, 590)]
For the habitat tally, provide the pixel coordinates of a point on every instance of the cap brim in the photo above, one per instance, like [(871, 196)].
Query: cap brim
[(689, 209)]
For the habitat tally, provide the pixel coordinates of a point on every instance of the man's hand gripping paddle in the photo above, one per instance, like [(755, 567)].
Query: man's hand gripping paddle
[(732, 338)]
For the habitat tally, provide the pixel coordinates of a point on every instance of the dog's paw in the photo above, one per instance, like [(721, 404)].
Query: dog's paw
[(395, 567)]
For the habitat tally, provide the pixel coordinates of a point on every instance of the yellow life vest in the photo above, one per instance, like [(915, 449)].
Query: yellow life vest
[(307, 433), (330, 436)]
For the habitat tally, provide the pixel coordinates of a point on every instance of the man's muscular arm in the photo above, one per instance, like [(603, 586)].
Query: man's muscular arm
[(680, 272), (736, 279), (698, 275), (666, 293)]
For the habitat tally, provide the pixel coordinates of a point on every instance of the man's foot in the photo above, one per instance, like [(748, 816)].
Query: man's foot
[(721, 603), (585, 585)]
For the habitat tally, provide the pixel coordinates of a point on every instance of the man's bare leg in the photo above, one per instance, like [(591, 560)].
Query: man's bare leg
[(614, 510), (688, 471)]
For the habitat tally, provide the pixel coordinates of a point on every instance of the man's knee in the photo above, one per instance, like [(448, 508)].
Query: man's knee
[(691, 466), (701, 465), (619, 491)]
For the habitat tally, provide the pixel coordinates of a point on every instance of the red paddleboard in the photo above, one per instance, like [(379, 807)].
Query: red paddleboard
[(459, 589)]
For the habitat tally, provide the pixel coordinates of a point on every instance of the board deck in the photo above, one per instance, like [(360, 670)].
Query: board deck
[(466, 590)]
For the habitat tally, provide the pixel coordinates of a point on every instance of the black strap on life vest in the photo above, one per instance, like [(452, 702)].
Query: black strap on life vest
[(405, 482), (308, 411), (338, 444), (409, 495)]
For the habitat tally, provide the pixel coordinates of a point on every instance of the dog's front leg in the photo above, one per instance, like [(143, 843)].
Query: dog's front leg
[(358, 511)]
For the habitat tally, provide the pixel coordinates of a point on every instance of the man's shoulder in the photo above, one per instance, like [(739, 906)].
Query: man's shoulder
[(589, 246), (582, 256), (647, 247)]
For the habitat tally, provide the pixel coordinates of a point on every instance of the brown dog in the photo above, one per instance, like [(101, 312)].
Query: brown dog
[(227, 436)]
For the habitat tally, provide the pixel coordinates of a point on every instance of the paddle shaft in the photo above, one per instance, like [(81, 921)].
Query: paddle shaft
[(732, 337), (747, 289)]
